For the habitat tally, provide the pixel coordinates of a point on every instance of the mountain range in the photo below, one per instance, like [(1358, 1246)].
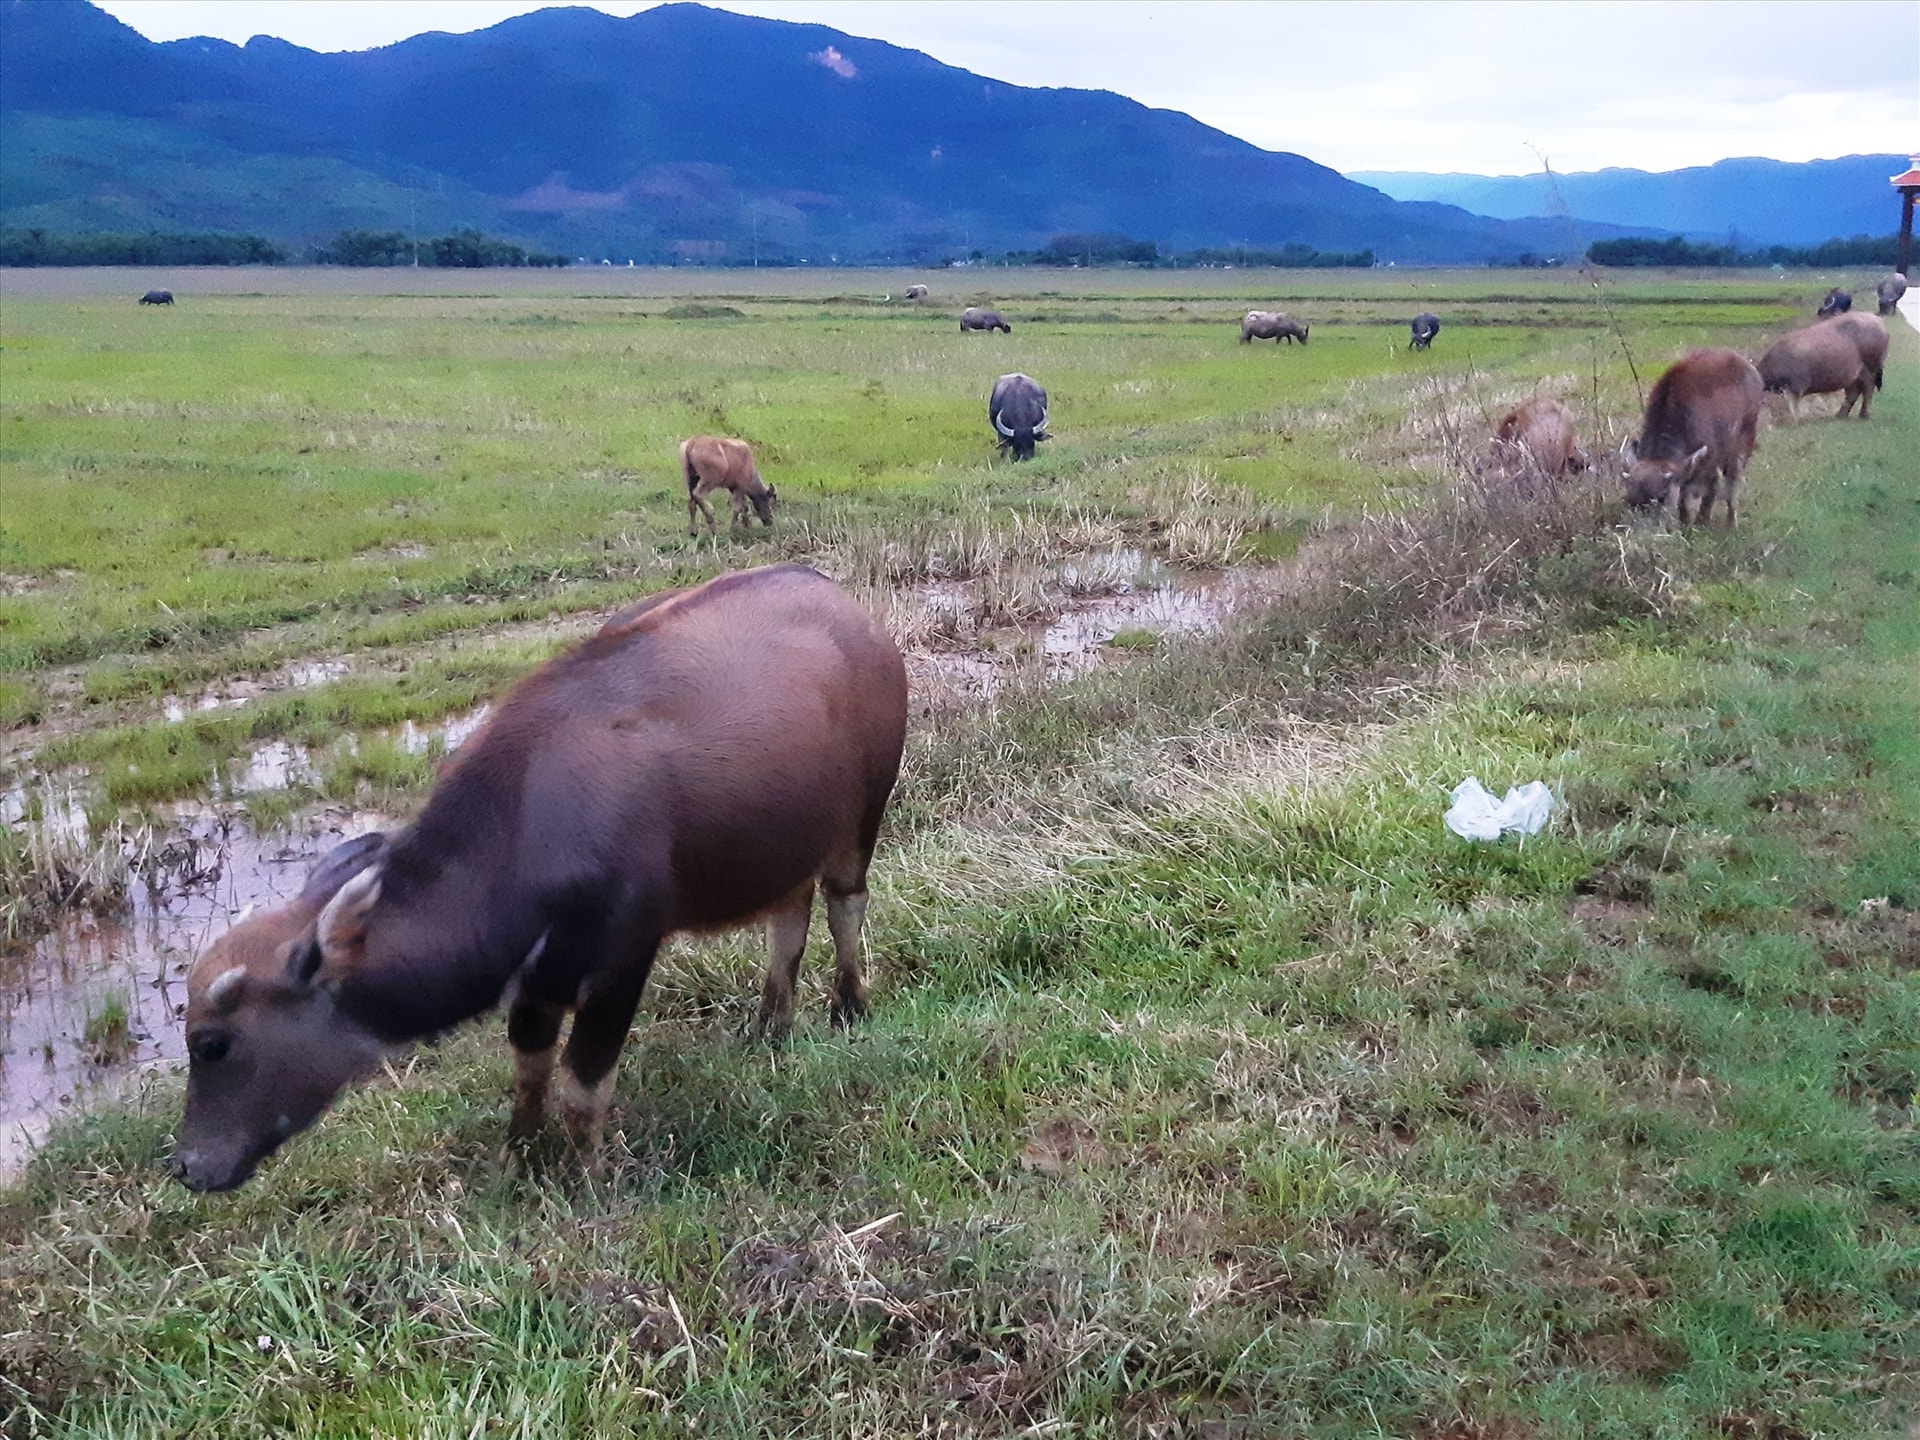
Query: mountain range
[(681, 132), (1758, 202)]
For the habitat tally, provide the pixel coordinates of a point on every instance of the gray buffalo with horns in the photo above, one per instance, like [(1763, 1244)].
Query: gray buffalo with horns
[(1018, 409), (1838, 302), (974, 318), (1889, 291), (1426, 325)]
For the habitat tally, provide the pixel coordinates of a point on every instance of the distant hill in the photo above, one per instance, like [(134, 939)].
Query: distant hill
[(681, 132), (1761, 202)]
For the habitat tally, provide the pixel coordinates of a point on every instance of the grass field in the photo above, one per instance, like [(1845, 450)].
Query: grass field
[(1213, 1089)]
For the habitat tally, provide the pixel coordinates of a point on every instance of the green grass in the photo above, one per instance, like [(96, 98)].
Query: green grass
[(1212, 1087)]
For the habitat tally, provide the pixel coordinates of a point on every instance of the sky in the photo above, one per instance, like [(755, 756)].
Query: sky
[(1466, 85)]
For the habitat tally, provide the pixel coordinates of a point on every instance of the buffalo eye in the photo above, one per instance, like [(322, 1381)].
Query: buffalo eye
[(210, 1048)]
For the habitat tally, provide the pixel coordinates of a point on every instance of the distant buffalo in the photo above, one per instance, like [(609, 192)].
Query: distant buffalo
[(916, 292), (157, 297), (1271, 325), (716, 462), (1426, 325), (1703, 417), (975, 319), (1889, 292), (1018, 409), (1838, 302)]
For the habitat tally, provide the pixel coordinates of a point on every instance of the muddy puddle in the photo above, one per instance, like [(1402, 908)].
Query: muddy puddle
[(1138, 603), (98, 1000)]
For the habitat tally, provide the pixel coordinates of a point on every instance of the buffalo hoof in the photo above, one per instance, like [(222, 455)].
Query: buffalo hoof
[(849, 1010)]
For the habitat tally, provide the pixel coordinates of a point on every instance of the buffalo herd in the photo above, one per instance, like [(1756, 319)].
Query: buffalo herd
[(720, 755)]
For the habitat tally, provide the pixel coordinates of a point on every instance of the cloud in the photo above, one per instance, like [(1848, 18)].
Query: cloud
[(833, 60)]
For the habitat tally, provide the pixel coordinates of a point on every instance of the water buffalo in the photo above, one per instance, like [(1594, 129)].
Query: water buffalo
[(1838, 302), (157, 297), (708, 759), (916, 292), (1816, 360), (1889, 291), (1426, 325), (1018, 409), (1828, 356), (1271, 325), (1536, 437), (1868, 332), (714, 462), (973, 318), (1702, 420)]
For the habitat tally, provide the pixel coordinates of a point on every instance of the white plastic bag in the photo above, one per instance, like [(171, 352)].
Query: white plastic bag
[(1476, 815)]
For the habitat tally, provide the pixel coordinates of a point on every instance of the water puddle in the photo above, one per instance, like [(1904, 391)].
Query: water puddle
[(100, 998), (451, 733), (300, 675), (1118, 596)]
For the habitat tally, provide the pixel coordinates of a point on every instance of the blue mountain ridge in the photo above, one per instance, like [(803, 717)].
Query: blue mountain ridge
[(1755, 201), (679, 131)]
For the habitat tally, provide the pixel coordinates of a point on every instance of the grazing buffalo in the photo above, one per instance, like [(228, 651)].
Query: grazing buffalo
[(708, 759), (1703, 417), (1018, 409), (1536, 437), (714, 462), (1868, 332), (973, 318), (1271, 325), (1838, 302), (157, 297), (1426, 325), (1889, 291), (1827, 357), (916, 292)]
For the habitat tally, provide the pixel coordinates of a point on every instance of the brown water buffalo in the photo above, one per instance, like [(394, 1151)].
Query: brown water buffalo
[(1537, 437), (709, 758), (1426, 325), (1837, 302), (157, 297), (916, 292), (1271, 325), (1702, 420), (1821, 359), (715, 462), (973, 318), (1889, 291), (1869, 333)]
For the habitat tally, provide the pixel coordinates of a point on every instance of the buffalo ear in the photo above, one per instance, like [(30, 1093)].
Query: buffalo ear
[(303, 960), (339, 865), (772, 493), (1695, 461), (342, 927)]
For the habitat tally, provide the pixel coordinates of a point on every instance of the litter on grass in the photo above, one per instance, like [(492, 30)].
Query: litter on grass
[(1476, 815)]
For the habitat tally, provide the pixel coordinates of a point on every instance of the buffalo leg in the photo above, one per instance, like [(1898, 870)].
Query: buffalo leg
[(601, 1021), (1729, 499), (533, 1029), (786, 943), (696, 505), (846, 913)]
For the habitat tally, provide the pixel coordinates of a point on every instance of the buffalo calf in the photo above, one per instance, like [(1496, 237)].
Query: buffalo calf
[(714, 462)]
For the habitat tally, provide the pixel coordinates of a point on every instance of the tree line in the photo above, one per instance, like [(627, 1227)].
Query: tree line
[(35, 246), (1672, 250), (462, 250), (1092, 250)]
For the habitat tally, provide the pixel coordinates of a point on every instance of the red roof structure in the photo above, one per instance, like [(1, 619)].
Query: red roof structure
[(1910, 180)]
